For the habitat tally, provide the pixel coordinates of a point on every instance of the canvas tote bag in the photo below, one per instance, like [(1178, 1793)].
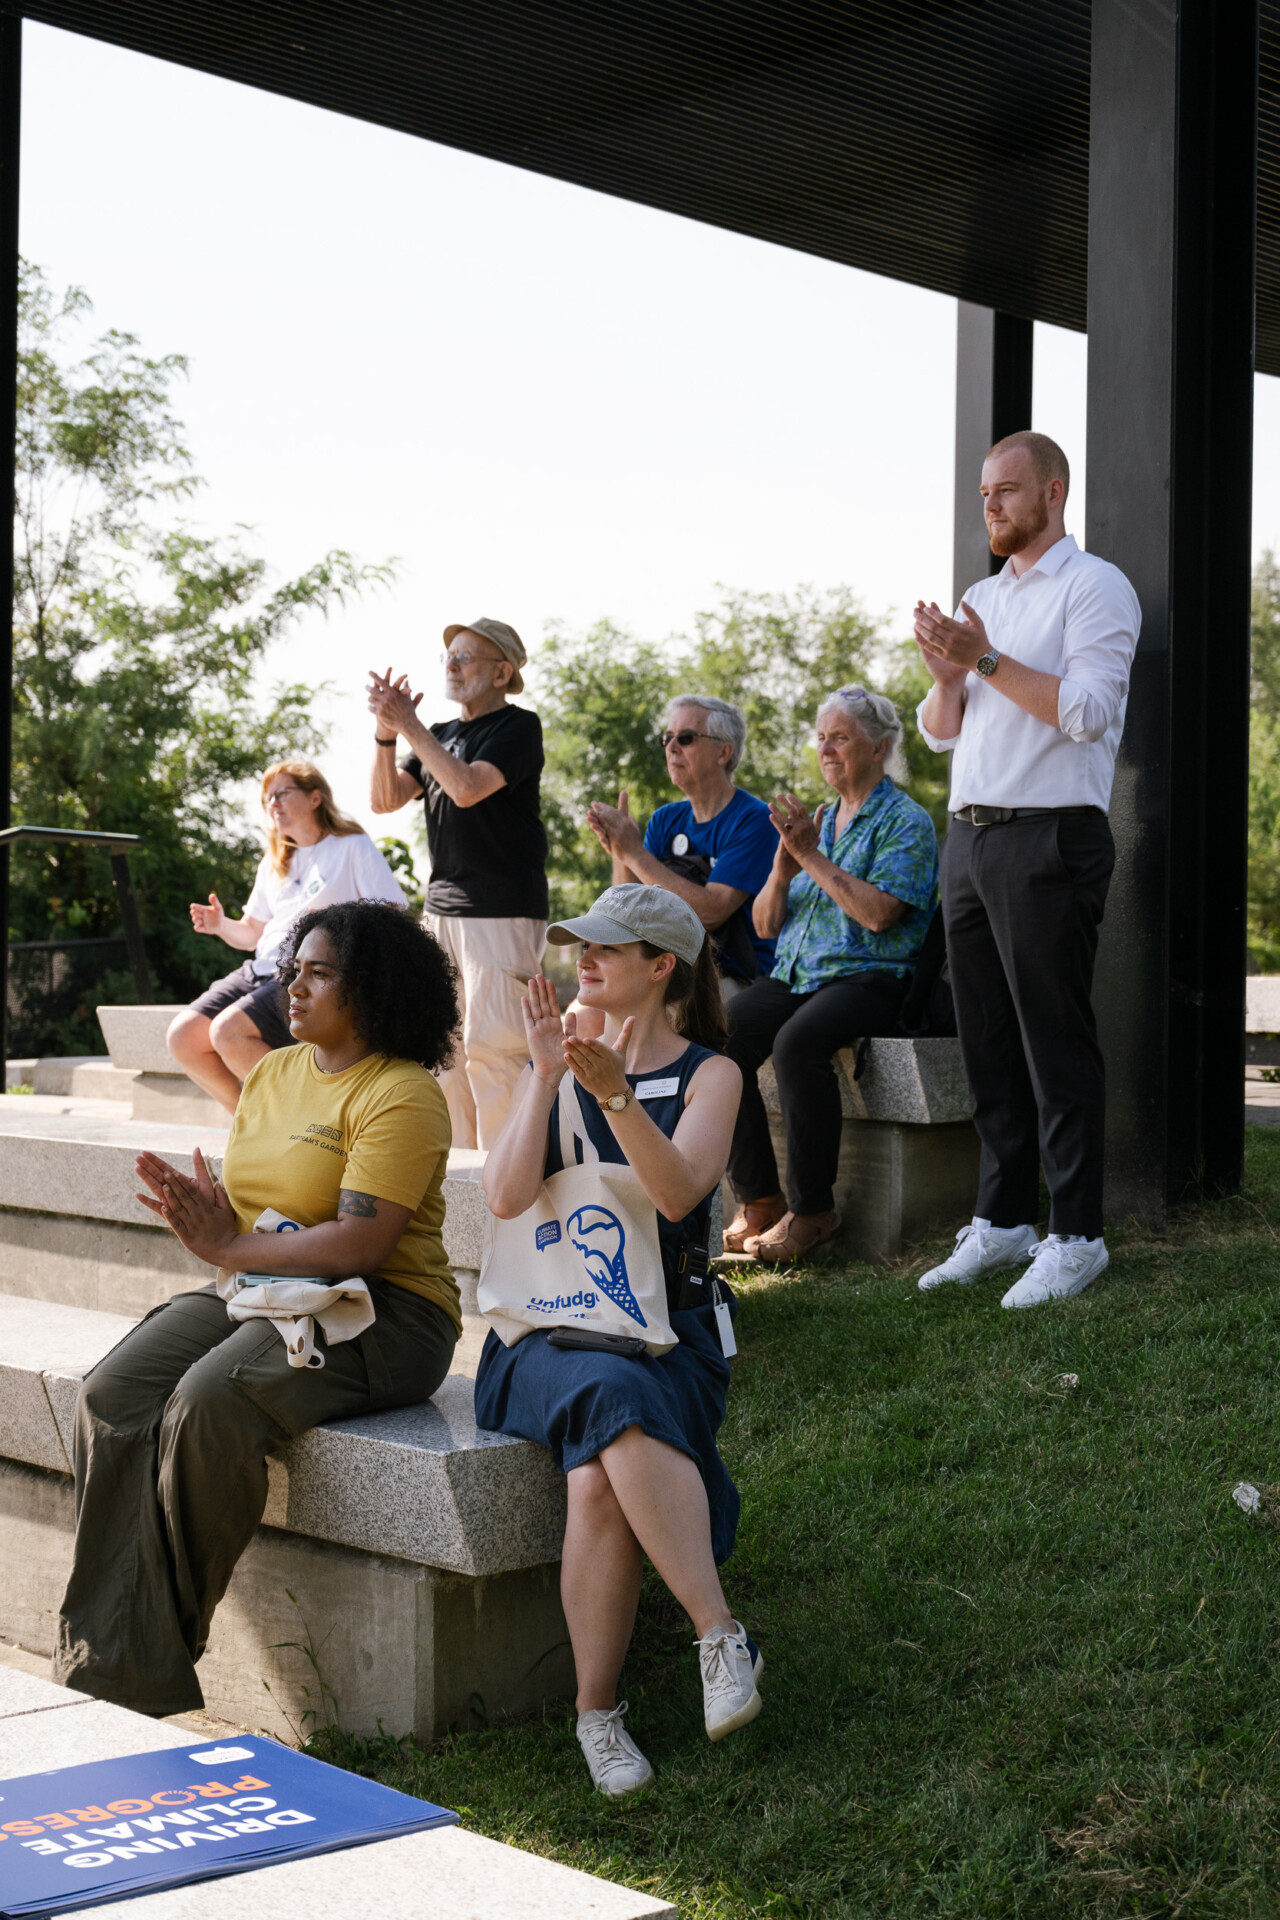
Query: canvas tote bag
[(585, 1254)]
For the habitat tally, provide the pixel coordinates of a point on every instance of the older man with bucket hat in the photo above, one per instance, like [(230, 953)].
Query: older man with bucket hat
[(478, 778)]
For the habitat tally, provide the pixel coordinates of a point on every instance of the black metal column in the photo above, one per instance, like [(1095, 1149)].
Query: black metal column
[(993, 397), (1173, 171), (10, 147)]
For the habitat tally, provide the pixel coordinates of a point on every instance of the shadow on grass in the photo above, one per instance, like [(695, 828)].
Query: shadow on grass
[(1022, 1646)]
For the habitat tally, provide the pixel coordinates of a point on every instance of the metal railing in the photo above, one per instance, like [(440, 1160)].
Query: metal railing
[(117, 846)]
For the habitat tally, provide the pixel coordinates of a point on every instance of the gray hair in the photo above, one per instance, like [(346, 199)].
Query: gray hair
[(724, 720), (876, 714)]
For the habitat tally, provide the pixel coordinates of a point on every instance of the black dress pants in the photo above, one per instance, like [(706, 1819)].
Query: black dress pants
[(802, 1031), (1022, 902)]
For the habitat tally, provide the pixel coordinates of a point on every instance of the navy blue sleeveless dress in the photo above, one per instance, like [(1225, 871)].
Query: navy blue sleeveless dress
[(575, 1403)]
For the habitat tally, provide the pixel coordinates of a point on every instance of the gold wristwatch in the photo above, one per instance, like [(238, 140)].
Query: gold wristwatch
[(618, 1102)]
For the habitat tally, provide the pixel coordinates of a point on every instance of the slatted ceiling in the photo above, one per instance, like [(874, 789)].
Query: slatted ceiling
[(942, 142)]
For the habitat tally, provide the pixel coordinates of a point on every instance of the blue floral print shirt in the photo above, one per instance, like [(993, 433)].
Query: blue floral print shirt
[(890, 843)]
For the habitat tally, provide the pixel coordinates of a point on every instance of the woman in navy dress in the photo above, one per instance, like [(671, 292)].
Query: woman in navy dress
[(636, 1437)]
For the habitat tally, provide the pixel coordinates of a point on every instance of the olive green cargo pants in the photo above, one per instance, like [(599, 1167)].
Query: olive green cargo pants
[(172, 1433)]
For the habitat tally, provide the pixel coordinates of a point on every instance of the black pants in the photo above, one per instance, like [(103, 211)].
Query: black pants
[(802, 1031), (172, 1433), (1022, 904)]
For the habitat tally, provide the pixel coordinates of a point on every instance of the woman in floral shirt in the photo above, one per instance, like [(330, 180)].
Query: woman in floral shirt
[(849, 899)]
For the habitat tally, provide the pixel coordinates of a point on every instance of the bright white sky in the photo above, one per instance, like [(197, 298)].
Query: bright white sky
[(550, 404)]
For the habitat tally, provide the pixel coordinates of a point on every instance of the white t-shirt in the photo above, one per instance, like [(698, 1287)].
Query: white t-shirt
[(340, 867)]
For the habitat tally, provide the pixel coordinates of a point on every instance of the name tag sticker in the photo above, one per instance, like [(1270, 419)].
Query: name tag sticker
[(657, 1089)]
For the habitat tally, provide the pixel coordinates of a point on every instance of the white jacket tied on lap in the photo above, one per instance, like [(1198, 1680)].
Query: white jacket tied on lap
[(342, 1307)]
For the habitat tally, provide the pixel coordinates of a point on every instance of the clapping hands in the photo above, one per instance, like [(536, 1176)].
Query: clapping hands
[(949, 648), (613, 827), (798, 831), (554, 1044), (391, 702), (197, 1210)]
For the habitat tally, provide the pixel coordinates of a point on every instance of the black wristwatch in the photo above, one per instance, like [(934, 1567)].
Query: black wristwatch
[(988, 664)]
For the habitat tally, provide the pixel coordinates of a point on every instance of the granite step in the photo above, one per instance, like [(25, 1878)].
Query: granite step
[(73, 1232), (416, 1552), (449, 1871), (423, 1483)]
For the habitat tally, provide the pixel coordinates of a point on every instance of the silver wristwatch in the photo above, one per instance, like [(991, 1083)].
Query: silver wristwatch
[(988, 664), (618, 1102)]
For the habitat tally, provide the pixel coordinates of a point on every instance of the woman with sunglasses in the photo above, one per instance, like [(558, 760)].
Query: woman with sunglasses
[(849, 901), (344, 1138), (315, 855)]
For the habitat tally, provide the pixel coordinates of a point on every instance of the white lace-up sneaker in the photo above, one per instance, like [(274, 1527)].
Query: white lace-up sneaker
[(731, 1664), (981, 1248), (1058, 1269), (616, 1762)]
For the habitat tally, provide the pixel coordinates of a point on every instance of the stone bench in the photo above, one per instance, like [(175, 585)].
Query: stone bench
[(414, 1555), (72, 1231), (908, 1150), (157, 1087)]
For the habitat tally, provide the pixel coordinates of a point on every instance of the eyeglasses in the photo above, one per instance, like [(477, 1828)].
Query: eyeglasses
[(685, 737), (278, 793), (465, 659)]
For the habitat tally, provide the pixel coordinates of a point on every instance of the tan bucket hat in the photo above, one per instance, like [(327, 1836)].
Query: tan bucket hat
[(504, 638)]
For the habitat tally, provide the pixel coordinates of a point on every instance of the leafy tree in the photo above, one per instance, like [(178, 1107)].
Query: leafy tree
[(139, 644), (1264, 767), (601, 695)]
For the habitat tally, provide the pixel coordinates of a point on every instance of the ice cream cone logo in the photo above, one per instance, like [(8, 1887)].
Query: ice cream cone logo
[(601, 1240)]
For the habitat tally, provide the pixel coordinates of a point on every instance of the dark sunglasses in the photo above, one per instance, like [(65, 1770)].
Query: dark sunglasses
[(685, 737)]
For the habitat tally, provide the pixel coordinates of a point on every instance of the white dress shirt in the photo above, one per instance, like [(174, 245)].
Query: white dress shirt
[(1070, 614)]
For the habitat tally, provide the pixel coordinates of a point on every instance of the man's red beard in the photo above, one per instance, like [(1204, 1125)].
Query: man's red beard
[(1019, 533)]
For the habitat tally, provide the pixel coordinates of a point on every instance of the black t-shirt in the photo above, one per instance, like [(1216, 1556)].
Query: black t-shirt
[(488, 862)]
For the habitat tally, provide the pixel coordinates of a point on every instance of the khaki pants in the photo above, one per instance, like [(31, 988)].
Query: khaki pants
[(172, 1433), (495, 960)]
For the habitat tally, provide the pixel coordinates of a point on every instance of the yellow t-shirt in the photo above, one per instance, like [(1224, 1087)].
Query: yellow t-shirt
[(380, 1127)]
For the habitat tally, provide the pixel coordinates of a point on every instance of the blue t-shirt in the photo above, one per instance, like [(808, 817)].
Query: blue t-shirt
[(740, 841)]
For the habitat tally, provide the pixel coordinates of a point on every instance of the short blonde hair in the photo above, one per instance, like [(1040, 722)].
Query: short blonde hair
[(1047, 457)]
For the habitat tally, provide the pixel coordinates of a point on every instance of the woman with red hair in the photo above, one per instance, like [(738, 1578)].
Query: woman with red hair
[(317, 856)]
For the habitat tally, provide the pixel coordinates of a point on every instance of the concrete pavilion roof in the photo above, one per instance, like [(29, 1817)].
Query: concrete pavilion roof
[(942, 142)]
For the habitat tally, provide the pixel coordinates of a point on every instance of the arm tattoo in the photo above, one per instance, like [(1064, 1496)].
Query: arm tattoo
[(363, 1205)]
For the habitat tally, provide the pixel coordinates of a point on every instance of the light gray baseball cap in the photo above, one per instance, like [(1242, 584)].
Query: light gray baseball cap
[(504, 638), (624, 914)]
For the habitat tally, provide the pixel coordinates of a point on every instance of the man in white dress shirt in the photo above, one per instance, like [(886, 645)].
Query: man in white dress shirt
[(1030, 684)]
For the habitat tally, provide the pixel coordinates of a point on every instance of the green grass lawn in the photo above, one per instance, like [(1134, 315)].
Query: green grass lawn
[(1022, 1647)]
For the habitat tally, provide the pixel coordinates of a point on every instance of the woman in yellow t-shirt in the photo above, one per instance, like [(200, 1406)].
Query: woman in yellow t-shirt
[(345, 1135)]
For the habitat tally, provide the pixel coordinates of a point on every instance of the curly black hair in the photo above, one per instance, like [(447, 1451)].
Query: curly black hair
[(399, 980)]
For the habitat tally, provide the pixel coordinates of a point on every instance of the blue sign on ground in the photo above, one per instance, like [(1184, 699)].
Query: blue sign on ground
[(78, 1836)]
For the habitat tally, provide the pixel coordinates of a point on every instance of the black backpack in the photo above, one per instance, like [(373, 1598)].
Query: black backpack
[(732, 941), (928, 1007)]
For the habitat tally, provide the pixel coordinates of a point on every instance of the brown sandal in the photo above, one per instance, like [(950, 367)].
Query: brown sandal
[(795, 1235), (753, 1217)]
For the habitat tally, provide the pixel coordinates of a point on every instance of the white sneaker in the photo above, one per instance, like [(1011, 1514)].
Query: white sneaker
[(731, 1664), (616, 1762), (981, 1248), (1058, 1269)]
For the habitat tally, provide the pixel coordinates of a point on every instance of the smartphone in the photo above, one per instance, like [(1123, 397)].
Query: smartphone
[(583, 1340)]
